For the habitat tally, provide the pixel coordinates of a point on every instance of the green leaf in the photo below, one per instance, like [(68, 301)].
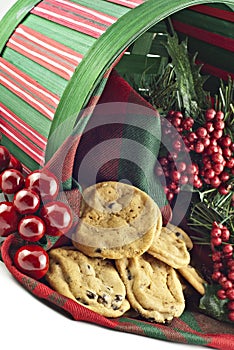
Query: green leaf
[(190, 82), (212, 306)]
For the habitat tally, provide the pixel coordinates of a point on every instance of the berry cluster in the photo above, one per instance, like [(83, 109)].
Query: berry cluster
[(214, 166), (223, 265), (33, 212)]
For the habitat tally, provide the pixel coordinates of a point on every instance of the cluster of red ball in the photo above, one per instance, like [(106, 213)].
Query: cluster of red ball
[(215, 165), (33, 212), (223, 265)]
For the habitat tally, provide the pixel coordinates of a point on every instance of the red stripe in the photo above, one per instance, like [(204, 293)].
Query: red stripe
[(127, 3), (23, 143), (56, 45), (23, 127), (214, 12), (28, 89), (86, 12), (215, 71), (42, 61), (47, 52), (69, 20), (204, 35)]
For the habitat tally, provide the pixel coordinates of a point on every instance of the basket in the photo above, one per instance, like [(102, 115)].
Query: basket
[(56, 54), (58, 60)]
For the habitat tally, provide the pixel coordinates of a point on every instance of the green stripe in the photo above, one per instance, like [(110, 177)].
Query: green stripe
[(148, 329), (18, 153), (105, 7), (211, 54), (43, 76), (24, 111), (13, 17), (73, 39), (206, 22), (104, 51)]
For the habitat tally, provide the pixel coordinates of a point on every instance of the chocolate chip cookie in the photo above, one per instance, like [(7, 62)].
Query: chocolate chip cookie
[(91, 282), (117, 220)]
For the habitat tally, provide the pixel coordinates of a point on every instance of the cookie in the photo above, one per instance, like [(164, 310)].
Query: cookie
[(117, 220), (182, 235), (153, 288), (170, 249), (91, 282), (190, 274)]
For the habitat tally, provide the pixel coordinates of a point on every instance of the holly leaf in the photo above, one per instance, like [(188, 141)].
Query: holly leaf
[(190, 81), (212, 306)]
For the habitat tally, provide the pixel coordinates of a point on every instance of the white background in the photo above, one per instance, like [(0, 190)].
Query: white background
[(26, 323)]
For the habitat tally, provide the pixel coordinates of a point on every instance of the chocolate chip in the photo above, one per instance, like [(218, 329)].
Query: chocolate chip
[(129, 275), (103, 299), (98, 250), (118, 297), (82, 301), (90, 294)]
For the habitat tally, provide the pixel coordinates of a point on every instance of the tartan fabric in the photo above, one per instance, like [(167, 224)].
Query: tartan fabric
[(192, 327)]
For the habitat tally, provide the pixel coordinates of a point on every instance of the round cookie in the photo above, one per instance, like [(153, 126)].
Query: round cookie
[(170, 249), (153, 288), (117, 220), (91, 282), (193, 278), (180, 233)]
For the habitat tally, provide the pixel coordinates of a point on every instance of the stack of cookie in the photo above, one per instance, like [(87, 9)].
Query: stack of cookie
[(123, 258)]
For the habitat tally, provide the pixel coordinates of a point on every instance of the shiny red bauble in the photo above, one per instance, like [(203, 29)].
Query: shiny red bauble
[(58, 218), (9, 218), (26, 201), (44, 183), (32, 260), (4, 158), (11, 181), (31, 228)]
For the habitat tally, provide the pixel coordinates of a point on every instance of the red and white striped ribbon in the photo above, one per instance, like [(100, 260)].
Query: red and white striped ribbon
[(28, 89), (45, 51)]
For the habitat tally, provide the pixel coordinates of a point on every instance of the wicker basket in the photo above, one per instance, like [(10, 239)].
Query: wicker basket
[(56, 53)]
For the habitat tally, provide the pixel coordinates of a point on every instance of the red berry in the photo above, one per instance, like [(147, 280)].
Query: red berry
[(209, 127), (170, 196), (231, 276), (163, 161), (226, 285), (4, 158), (177, 145), (230, 163), (216, 275), (31, 228), (227, 153), (181, 166), (219, 125), (217, 158), (216, 241), (217, 134), (184, 179), (225, 235), (32, 260), (216, 256), (199, 147), (230, 305), (44, 183), (11, 181), (58, 218), (205, 141), (219, 115), (224, 189), (176, 121), (215, 181), (231, 316), (26, 201), (9, 219), (224, 176), (14, 163), (209, 173), (230, 294), (228, 249), (226, 141), (191, 137), (230, 265), (218, 168), (201, 132), (175, 175), (216, 232), (210, 114), (221, 294)]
